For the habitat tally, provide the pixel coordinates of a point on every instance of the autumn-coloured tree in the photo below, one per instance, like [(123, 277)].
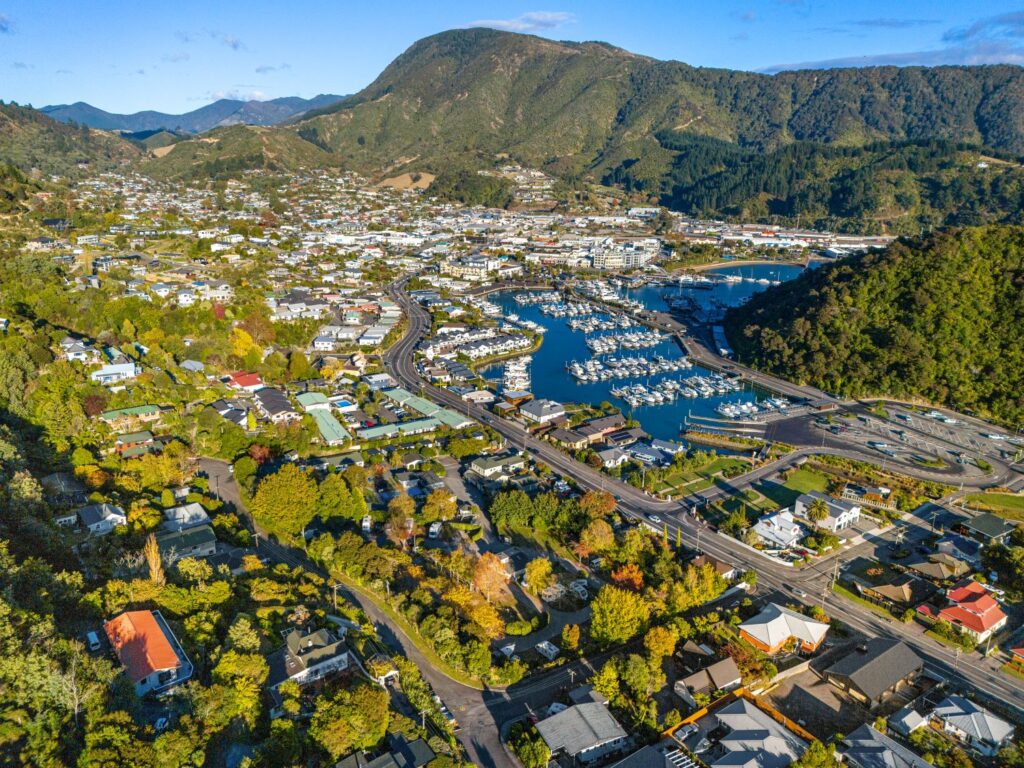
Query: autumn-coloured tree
[(259, 453), (539, 575), (597, 504), (629, 576), (660, 642), (400, 517), (596, 537), (571, 637), (440, 505), (153, 560), (489, 576)]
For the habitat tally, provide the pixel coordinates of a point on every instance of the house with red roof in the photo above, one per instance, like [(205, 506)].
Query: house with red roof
[(247, 382), (148, 650), (970, 608)]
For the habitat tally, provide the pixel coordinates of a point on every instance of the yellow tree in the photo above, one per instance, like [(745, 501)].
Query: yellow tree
[(156, 564), (489, 576)]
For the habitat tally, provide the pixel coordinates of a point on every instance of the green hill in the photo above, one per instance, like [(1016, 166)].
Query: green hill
[(31, 141), (15, 190), (939, 318), (593, 105), (229, 151)]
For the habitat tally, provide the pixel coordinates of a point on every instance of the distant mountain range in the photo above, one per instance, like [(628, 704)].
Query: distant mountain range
[(220, 113)]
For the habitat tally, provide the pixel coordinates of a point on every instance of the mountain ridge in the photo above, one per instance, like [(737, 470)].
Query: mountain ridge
[(219, 113)]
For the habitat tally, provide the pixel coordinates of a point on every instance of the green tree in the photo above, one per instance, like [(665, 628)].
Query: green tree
[(286, 502), (349, 719), (817, 756), (618, 615), (817, 510)]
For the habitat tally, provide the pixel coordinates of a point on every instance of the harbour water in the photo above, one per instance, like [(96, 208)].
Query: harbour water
[(562, 345)]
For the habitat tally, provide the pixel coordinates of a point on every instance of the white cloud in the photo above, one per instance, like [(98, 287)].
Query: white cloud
[(991, 40), (265, 69), (533, 21), (236, 94)]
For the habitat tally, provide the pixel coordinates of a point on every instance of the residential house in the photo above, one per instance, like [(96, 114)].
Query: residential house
[(101, 519), (121, 418), (129, 440), (247, 382), (776, 627), (876, 670), (962, 548), (726, 570), (148, 650), (115, 373), (582, 733), (940, 567), (988, 528), (612, 457), (868, 748), (186, 516), (569, 438), (401, 754), (973, 725), (971, 609), (542, 411), (841, 514), (275, 405), (307, 656), (723, 675), (492, 467), (752, 739), (905, 590), (198, 541), (779, 530)]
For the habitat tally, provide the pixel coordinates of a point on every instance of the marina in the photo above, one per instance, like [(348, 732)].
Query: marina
[(656, 385)]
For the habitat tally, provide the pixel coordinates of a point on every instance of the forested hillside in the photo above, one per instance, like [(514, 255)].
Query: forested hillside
[(30, 141), (884, 149), (229, 151), (899, 187), (939, 318)]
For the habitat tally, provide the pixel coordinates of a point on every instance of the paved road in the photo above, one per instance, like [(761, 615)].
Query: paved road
[(399, 361)]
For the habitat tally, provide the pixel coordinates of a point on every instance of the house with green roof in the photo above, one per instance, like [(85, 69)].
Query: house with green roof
[(331, 430)]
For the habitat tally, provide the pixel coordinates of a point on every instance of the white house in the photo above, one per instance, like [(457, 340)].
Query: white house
[(779, 530), (542, 411), (148, 650), (841, 514), (101, 519), (975, 726), (186, 516), (115, 373)]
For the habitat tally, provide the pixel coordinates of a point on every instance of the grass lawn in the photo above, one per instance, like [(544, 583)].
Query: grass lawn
[(799, 482), (839, 589), (946, 641), (1013, 670), (1008, 505), (696, 480)]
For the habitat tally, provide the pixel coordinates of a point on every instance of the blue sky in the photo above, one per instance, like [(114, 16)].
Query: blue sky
[(176, 56)]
